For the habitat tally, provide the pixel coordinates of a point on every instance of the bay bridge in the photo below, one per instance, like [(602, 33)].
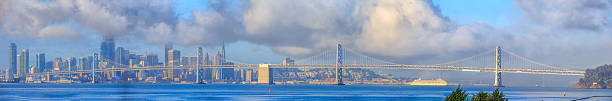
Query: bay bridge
[(496, 60)]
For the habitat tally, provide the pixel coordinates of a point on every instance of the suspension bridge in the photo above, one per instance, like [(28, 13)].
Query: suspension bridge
[(496, 60)]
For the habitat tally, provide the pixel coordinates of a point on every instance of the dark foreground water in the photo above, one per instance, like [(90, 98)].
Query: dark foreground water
[(272, 92)]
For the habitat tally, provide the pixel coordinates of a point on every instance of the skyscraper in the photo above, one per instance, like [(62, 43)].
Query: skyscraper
[(216, 72), (40, 62), (264, 74), (19, 65), (12, 60), (206, 60), (121, 56), (167, 48), (25, 61), (107, 49), (223, 53), (174, 59), (207, 72)]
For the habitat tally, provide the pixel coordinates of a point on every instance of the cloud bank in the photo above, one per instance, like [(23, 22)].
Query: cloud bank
[(387, 28)]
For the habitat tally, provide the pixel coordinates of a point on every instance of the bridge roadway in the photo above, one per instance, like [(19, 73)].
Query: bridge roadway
[(409, 67)]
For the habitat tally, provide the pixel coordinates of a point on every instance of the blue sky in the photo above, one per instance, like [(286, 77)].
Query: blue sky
[(498, 13)]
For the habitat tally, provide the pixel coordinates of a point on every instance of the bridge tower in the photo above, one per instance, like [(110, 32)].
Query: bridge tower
[(199, 62), (339, 64), (93, 72), (498, 80)]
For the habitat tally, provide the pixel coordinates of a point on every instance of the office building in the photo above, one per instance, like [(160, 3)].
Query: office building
[(122, 56), (40, 62), (12, 60), (174, 59), (167, 48), (107, 49), (24, 62), (149, 60), (19, 65), (264, 74), (216, 72)]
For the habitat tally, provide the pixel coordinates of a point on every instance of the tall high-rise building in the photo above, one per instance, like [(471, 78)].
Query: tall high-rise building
[(19, 65), (264, 74), (216, 72), (174, 59), (207, 72), (167, 48), (24, 62), (206, 58), (122, 56), (223, 53), (12, 60), (107, 49), (40, 62)]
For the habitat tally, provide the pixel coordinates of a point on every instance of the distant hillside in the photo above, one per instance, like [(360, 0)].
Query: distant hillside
[(600, 77)]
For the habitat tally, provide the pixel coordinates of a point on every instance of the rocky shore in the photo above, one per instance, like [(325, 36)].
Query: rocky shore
[(598, 78)]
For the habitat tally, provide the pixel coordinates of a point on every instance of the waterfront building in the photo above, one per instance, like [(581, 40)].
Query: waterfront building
[(264, 74)]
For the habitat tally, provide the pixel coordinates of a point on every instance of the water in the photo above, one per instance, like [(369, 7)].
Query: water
[(278, 92)]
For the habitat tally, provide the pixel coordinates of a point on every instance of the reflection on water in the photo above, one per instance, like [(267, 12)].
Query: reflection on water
[(271, 92)]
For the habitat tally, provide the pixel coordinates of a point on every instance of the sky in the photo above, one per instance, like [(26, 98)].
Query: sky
[(572, 33)]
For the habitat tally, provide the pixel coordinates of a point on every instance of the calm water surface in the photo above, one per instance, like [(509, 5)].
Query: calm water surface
[(272, 92)]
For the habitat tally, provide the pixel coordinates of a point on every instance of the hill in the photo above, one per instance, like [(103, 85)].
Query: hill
[(600, 77)]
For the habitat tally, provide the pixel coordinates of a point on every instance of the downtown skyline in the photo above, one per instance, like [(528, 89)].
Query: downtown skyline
[(408, 32)]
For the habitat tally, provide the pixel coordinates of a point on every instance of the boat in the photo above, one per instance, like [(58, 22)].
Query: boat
[(437, 82)]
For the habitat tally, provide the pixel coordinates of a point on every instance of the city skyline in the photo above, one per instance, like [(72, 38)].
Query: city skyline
[(429, 50), (259, 33)]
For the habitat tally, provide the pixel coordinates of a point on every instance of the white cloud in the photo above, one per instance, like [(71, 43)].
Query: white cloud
[(61, 31)]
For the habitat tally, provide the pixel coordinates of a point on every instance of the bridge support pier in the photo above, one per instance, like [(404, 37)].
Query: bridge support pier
[(498, 76), (339, 65)]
